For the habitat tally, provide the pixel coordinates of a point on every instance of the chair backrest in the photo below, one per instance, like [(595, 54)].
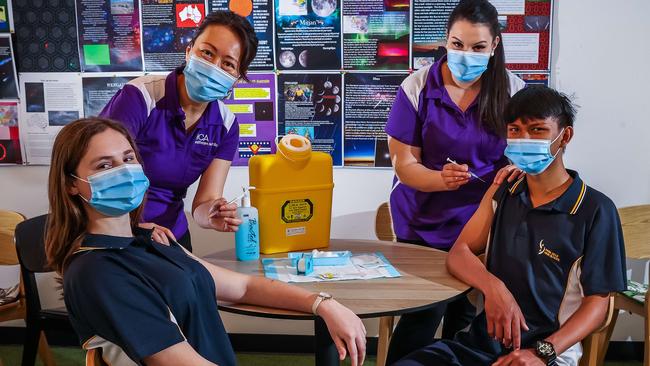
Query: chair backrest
[(30, 244), (384, 223), (8, 222), (635, 221)]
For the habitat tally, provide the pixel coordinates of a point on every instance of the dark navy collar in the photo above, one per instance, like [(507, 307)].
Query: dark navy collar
[(569, 202), (100, 241)]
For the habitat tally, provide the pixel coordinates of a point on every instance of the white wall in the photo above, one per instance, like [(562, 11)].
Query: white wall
[(601, 54)]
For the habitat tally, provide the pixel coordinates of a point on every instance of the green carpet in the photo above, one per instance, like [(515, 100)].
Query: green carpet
[(10, 356)]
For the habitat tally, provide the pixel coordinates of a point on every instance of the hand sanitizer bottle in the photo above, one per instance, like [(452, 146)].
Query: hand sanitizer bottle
[(247, 238)]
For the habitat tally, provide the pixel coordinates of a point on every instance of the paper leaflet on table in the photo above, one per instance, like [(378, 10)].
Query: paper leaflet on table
[(363, 266)]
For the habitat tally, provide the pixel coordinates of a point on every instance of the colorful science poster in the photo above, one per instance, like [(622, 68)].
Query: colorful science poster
[(254, 105), (310, 105), (376, 34), (308, 34), (98, 90), (260, 14), (49, 101), (5, 17), (430, 30), (8, 80), (527, 34), (368, 100), (167, 29), (109, 35), (10, 151), (535, 78)]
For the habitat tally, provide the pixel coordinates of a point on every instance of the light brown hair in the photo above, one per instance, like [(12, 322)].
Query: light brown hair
[(67, 221)]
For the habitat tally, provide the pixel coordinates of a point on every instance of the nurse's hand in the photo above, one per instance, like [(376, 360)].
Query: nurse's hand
[(223, 216), (346, 329), (160, 234), (454, 176), (509, 173)]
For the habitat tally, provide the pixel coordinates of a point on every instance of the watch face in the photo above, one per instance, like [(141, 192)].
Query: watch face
[(325, 295), (545, 349)]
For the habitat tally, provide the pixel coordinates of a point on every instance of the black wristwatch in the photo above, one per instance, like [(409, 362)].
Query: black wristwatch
[(546, 352)]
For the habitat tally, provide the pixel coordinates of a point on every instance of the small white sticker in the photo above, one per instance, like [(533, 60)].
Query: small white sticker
[(293, 231)]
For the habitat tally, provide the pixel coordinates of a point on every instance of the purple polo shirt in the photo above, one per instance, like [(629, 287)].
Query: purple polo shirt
[(173, 158), (423, 115)]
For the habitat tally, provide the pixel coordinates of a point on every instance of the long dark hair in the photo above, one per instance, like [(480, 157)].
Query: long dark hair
[(241, 27), (495, 86), (67, 223)]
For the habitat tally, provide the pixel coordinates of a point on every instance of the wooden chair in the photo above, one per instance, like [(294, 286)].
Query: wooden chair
[(16, 309), (635, 221), (594, 346), (384, 231)]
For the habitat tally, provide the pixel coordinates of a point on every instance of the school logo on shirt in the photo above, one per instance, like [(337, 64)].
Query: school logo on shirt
[(203, 139), (547, 252)]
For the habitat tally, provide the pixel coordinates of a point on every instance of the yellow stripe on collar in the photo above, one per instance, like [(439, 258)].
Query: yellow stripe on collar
[(581, 197)]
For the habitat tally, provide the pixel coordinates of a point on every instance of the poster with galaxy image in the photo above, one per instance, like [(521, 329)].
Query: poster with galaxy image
[(376, 34), (99, 89), (308, 34), (10, 149), (368, 100), (8, 80), (430, 30), (259, 14), (254, 105), (167, 29), (48, 102), (109, 35), (310, 105)]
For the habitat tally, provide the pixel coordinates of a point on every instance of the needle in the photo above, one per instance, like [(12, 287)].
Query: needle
[(470, 173)]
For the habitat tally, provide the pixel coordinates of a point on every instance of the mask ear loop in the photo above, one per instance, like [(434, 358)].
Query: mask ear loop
[(552, 142), (79, 194)]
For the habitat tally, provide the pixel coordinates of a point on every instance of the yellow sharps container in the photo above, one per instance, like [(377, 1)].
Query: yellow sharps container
[(293, 194)]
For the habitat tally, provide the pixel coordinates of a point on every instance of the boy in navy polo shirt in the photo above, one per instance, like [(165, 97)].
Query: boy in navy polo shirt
[(554, 251)]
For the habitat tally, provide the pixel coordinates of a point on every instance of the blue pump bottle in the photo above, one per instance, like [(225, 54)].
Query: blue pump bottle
[(247, 238)]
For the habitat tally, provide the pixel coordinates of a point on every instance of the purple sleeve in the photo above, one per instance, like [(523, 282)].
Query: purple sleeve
[(230, 143), (403, 121), (128, 107)]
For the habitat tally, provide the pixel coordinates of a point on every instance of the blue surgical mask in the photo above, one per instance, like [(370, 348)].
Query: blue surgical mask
[(532, 156), (206, 82), (467, 66), (117, 191)]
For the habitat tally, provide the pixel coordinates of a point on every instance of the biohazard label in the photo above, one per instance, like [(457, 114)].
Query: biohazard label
[(297, 211)]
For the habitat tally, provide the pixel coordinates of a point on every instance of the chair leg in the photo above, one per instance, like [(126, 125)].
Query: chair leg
[(646, 346), (386, 324), (44, 351), (605, 340), (32, 334)]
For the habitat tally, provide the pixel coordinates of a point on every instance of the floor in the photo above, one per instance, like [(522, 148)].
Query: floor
[(10, 356)]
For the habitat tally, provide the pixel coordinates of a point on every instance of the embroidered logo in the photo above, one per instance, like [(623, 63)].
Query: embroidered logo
[(203, 139), (547, 252)]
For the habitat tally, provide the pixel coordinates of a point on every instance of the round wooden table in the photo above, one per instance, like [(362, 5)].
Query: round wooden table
[(424, 283)]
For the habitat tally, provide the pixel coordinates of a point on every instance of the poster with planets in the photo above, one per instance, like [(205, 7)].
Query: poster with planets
[(308, 34), (253, 102), (311, 105), (259, 14), (368, 101), (376, 34)]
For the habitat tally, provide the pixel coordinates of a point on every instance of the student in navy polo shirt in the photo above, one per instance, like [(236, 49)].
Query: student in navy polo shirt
[(132, 300), (554, 251), (452, 109), (185, 132)]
